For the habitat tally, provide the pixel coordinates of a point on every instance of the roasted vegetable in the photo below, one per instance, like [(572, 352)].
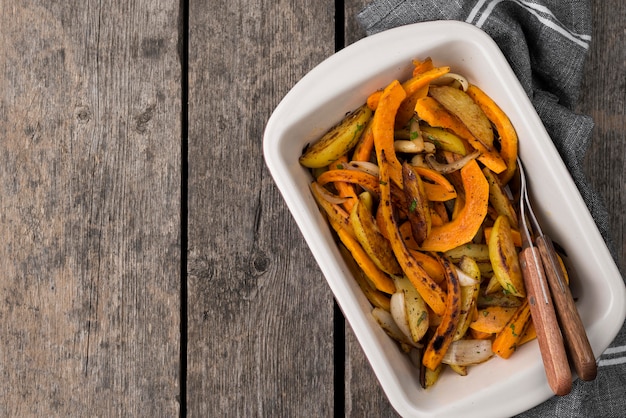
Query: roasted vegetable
[(444, 334), (370, 238), (416, 313), (430, 291), (418, 209), (461, 230), (504, 258), (431, 111), (340, 139), (413, 185), (506, 131), (463, 107), (510, 337)]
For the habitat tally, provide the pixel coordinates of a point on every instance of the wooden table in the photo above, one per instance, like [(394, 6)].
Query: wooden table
[(148, 264)]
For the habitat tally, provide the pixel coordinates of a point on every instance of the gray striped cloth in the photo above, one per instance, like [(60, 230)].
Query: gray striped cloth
[(546, 43)]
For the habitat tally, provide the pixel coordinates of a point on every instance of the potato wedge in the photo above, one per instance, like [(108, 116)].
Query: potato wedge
[(429, 377), (504, 258), (369, 236), (416, 310), (499, 199), (460, 104), (460, 370), (445, 140), (477, 252), (340, 139)]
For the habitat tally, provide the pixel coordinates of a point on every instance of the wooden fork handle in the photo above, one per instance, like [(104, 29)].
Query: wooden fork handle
[(546, 324), (576, 340)]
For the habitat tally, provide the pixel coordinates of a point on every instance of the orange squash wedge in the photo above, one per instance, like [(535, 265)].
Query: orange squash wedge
[(464, 227), (506, 131), (430, 291), (383, 127)]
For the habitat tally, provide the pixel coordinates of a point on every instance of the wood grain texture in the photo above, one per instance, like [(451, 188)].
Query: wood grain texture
[(89, 208), (602, 97), (260, 331)]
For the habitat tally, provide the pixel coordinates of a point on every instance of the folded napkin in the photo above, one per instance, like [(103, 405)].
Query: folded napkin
[(546, 43)]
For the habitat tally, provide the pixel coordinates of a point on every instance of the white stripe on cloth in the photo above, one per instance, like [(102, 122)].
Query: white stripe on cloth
[(549, 20), (612, 361), (616, 360), (614, 350)]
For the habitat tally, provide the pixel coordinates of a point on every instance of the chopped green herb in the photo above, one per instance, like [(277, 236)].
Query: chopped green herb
[(422, 317), (413, 205)]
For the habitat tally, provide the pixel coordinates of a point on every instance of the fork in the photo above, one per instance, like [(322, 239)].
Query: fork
[(575, 336), (542, 309)]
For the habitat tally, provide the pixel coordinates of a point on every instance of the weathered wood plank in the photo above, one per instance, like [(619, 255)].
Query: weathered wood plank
[(602, 97), (89, 208), (260, 314)]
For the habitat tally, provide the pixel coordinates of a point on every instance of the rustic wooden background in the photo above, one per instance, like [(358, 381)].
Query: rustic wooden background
[(148, 265)]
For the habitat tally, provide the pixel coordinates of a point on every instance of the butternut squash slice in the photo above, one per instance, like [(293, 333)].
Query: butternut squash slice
[(416, 88), (506, 131), (421, 66), (492, 319), (379, 279), (464, 227), (507, 340), (365, 146), (430, 265), (440, 190), (344, 189), (377, 298), (425, 285), (373, 99), (383, 127), (363, 179), (335, 213), (444, 334)]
